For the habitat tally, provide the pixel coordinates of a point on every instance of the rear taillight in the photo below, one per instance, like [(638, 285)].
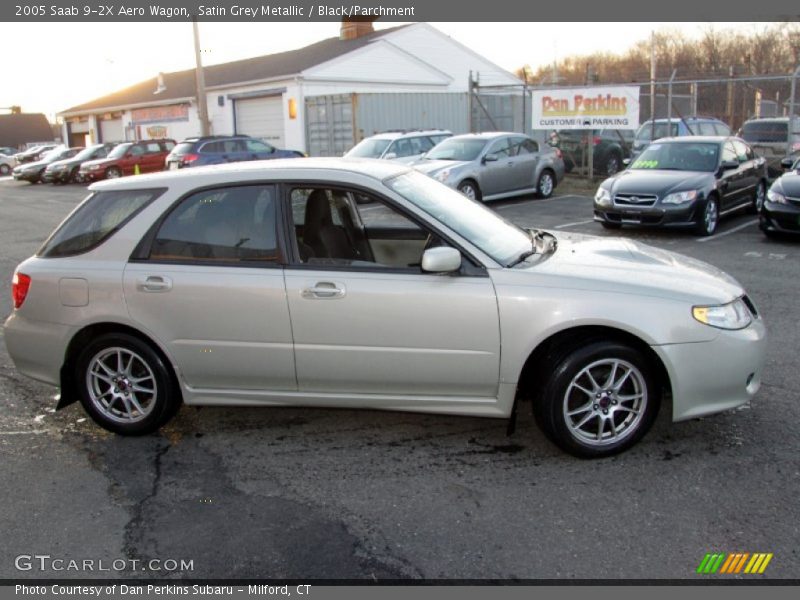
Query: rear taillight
[(189, 158), (19, 288), (595, 141)]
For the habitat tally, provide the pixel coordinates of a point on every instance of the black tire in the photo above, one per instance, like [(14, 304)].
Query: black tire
[(546, 184), (758, 198), (560, 396), (705, 225), (470, 189), (113, 173), (613, 164), (74, 176), (104, 401), (610, 225)]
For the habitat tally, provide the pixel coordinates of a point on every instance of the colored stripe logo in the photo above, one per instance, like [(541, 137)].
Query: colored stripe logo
[(737, 562)]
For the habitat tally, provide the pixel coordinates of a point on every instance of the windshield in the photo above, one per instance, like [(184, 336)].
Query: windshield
[(678, 156), (483, 227), (87, 153), (119, 151), (765, 131), (369, 148), (52, 155), (661, 130), (457, 149)]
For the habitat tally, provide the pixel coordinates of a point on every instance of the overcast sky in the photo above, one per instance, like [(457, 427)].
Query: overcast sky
[(48, 67)]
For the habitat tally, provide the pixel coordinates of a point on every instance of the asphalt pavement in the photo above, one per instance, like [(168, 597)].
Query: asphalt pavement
[(315, 493)]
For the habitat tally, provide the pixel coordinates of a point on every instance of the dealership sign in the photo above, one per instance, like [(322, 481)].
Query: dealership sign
[(587, 108)]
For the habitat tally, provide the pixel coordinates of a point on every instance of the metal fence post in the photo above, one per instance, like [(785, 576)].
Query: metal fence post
[(791, 113)]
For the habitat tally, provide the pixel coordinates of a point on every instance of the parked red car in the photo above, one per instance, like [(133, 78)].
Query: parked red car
[(147, 155)]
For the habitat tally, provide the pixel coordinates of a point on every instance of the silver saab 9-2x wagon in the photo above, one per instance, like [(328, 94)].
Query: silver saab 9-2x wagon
[(365, 284)]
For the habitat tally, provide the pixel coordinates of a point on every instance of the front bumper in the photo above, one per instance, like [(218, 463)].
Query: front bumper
[(33, 177), (655, 216), (780, 218), (91, 175), (710, 377)]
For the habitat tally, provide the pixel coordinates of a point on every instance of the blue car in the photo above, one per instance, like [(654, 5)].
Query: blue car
[(218, 149)]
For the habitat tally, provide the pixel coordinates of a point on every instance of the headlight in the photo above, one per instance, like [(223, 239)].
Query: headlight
[(774, 196), (734, 315), (442, 175), (680, 197), (603, 197), (93, 167)]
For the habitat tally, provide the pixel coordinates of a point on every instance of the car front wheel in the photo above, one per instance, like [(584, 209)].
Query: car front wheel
[(470, 189), (600, 400), (124, 385), (709, 217), (546, 184), (113, 173), (758, 198)]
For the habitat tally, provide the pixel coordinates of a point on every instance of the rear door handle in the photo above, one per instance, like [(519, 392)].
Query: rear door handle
[(324, 290), (154, 283)]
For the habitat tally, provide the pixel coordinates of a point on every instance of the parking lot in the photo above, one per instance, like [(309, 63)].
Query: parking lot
[(315, 493)]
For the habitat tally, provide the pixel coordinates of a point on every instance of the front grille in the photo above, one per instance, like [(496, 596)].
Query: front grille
[(635, 199)]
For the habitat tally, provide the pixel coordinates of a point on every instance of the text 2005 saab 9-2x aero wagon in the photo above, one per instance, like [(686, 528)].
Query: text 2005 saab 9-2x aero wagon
[(364, 284)]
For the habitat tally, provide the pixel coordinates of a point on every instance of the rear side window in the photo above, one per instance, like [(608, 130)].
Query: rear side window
[(765, 131), (95, 220)]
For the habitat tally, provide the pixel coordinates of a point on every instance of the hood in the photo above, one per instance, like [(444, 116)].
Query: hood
[(429, 167), (67, 162), (656, 181), (789, 184), (624, 266)]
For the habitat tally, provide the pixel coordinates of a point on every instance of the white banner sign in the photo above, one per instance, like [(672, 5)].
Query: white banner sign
[(587, 108)]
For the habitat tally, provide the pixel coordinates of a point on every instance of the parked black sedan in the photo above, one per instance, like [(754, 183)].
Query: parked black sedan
[(65, 171), (684, 182), (33, 171), (781, 210)]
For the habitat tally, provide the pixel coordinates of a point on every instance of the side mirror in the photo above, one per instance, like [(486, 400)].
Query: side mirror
[(441, 259), (390, 156), (786, 164), (490, 158), (728, 165)]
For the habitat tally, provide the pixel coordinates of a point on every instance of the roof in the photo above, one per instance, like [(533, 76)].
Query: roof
[(18, 129), (180, 85), (258, 170)]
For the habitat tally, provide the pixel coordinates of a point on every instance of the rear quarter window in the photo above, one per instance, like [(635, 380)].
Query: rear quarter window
[(95, 220)]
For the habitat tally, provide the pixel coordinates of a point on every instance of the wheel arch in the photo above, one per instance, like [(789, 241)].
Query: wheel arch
[(69, 389), (564, 341)]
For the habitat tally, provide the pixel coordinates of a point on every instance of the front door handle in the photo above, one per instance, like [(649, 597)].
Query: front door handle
[(324, 290), (154, 283)]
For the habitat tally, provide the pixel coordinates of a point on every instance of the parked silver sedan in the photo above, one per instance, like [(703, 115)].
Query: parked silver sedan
[(366, 284), (491, 166)]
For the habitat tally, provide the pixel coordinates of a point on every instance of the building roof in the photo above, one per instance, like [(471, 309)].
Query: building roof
[(18, 129), (180, 85)]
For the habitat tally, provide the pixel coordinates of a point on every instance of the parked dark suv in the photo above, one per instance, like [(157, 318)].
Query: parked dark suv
[(611, 147), (769, 137), (218, 149), (128, 158)]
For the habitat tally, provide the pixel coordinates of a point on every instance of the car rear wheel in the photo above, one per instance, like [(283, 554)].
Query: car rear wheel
[(709, 217), (125, 386), (546, 184), (600, 400), (470, 189), (113, 173), (5, 169), (758, 198)]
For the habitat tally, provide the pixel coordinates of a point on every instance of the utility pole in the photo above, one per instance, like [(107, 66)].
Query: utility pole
[(729, 107), (200, 81), (790, 125), (652, 85)]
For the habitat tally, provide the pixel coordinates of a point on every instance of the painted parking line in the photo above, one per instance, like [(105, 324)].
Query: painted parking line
[(565, 225), (724, 233)]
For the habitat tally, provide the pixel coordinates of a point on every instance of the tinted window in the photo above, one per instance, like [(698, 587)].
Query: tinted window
[(119, 151), (212, 148), (96, 219), (765, 131), (153, 147), (256, 146), (136, 150), (235, 224)]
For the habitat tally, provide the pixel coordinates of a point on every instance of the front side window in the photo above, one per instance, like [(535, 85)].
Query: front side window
[(501, 148), (136, 150), (369, 148), (465, 149), (257, 146), (94, 221), (232, 225)]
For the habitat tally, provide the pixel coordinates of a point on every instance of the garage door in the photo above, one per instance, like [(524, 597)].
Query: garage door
[(261, 118), (111, 131)]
